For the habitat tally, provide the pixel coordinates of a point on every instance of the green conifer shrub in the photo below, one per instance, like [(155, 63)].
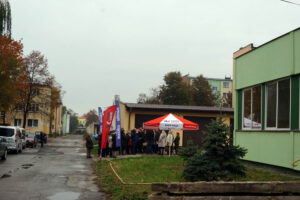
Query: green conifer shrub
[(188, 151), (217, 159)]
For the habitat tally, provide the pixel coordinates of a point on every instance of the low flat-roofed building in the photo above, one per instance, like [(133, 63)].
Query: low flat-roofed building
[(267, 93), (134, 115)]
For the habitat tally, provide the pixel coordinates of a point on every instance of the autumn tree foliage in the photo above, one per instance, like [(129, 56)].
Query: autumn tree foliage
[(55, 101), (91, 117), (175, 91), (202, 92), (11, 53)]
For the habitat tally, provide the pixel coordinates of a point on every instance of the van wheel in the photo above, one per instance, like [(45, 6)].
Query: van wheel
[(20, 150), (4, 155)]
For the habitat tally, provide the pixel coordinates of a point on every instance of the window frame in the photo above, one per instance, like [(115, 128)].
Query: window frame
[(261, 108), (34, 107), (32, 123), (266, 105), (18, 124), (227, 84), (226, 95)]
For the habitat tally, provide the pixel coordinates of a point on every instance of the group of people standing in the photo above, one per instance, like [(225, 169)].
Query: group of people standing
[(139, 141)]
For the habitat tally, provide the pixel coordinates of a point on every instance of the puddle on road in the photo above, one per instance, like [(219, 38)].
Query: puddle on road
[(26, 166), (65, 196), (82, 154), (78, 166), (5, 176), (82, 170)]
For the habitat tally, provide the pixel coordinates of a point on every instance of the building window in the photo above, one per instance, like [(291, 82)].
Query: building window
[(225, 95), (33, 108), (19, 107), (35, 92), (18, 122), (252, 108), (225, 84), (214, 89), (278, 104), (32, 123)]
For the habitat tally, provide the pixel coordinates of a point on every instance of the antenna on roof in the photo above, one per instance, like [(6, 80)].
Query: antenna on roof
[(290, 2)]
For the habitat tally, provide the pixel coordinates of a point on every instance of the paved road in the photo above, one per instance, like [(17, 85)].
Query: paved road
[(59, 171)]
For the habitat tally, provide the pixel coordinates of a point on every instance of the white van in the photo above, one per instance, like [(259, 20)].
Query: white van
[(23, 136), (13, 137)]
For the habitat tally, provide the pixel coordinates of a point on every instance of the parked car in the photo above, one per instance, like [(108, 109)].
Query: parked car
[(3, 149), (38, 135), (31, 140), (23, 138), (13, 138)]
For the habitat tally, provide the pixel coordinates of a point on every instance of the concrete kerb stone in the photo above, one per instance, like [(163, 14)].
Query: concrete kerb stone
[(228, 187), (277, 190)]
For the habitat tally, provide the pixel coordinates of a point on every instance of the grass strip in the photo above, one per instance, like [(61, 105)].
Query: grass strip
[(149, 169)]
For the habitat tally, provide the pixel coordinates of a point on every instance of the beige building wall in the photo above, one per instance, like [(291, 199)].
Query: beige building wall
[(128, 118), (56, 124), (82, 121), (43, 115)]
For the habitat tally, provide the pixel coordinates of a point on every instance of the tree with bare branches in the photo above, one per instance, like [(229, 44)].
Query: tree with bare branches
[(35, 95), (91, 117)]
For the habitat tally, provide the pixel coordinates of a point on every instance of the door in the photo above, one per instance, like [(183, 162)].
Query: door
[(196, 136)]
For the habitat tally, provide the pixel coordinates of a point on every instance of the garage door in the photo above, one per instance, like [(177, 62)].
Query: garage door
[(140, 119), (196, 136)]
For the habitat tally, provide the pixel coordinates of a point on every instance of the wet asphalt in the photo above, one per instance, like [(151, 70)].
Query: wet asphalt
[(59, 171)]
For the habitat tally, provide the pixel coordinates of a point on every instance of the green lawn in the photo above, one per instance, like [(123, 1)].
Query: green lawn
[(150, 169)]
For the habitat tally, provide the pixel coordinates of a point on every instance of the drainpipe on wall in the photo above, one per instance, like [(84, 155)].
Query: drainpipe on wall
[(130, 110)]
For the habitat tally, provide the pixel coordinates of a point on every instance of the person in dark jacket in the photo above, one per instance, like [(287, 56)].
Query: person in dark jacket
[(176, 142), (89, 146), (99, 138), (42, 135), (128, 142), (123, 144), (140, 141), (149, 139), (114, 144), (156, 138), (134, 140)]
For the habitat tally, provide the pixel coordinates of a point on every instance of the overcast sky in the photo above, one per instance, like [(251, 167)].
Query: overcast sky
[(99, 48)]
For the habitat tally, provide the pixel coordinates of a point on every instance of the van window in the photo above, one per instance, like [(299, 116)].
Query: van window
[(6, 132)]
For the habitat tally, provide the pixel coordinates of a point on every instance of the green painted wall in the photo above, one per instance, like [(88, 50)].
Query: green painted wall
[(297, 51), (297, 149), (277, 59), (275, 148), (271, 61)]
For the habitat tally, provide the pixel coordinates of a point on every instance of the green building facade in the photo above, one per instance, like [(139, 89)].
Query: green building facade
[(266, 84)]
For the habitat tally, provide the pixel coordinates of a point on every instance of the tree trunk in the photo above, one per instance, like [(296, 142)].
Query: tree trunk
[(24, 119), (3, 118)]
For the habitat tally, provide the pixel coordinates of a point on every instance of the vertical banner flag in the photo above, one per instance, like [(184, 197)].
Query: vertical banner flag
[(100, 118), (107, 121), (118, 125)]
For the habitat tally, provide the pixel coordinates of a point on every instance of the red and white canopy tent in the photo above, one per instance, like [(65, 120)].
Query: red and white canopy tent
[(170, 122)]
